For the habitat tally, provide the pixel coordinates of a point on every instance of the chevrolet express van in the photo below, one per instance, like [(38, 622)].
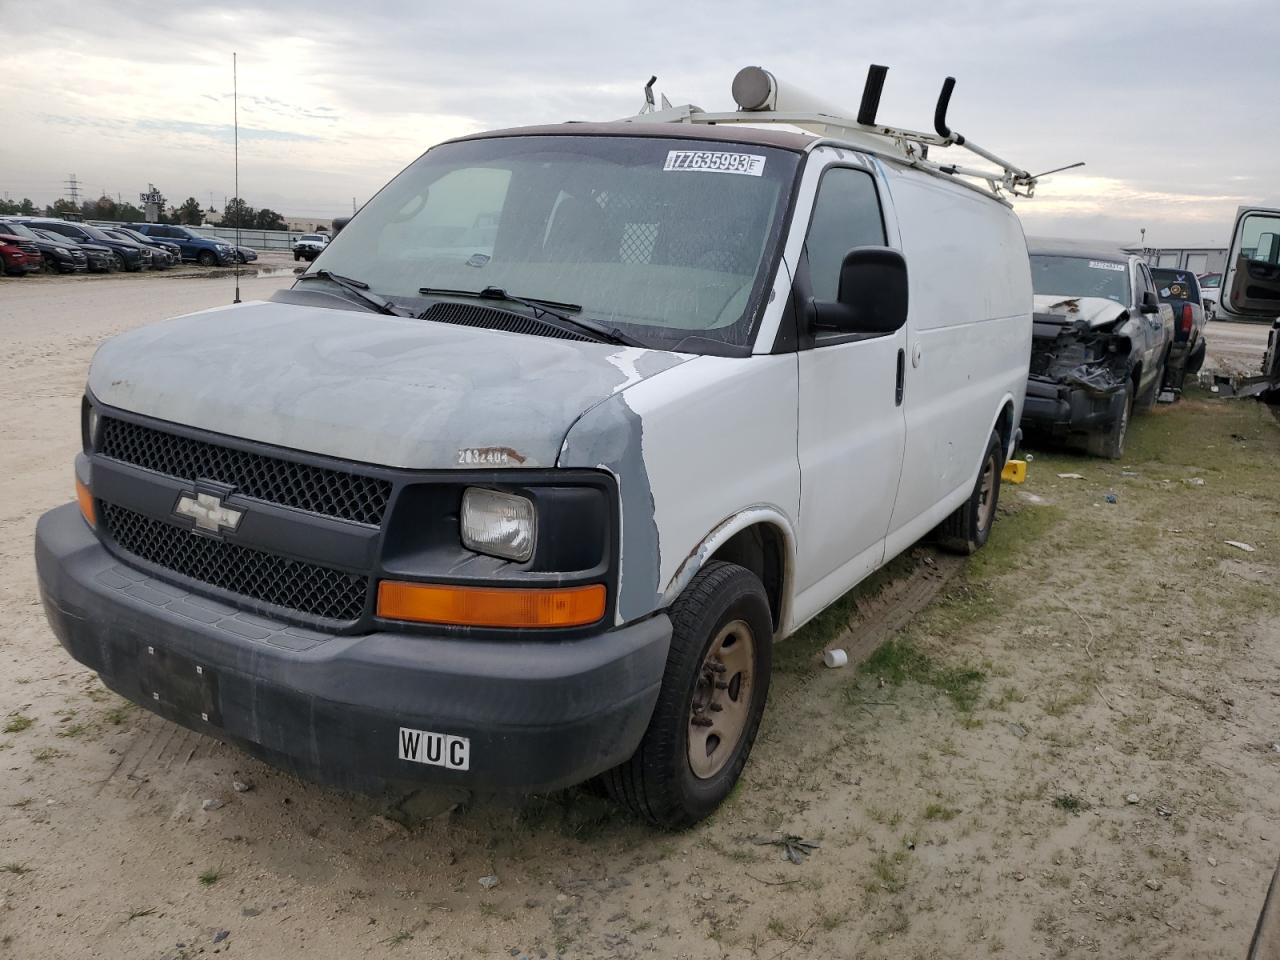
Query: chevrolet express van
[(521, 482)]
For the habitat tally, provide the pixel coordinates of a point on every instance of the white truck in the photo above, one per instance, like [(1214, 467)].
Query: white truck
[(521, 482)]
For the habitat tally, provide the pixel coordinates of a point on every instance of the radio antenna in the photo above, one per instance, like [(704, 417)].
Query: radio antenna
[(239, 207)]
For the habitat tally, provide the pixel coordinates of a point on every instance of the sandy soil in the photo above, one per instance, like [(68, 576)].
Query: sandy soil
[(967, 783)]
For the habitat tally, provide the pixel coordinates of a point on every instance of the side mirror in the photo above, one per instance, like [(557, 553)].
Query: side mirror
[(1150, 303), (872, 296)]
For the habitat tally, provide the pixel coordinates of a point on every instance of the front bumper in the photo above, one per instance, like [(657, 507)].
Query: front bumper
[(1059, 410), (539, 715)]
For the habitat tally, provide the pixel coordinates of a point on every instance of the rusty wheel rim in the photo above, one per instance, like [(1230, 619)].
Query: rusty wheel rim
[(721, 703), (987, 493)]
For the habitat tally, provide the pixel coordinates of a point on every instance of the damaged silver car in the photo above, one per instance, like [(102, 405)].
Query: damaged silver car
[(1100, 344)]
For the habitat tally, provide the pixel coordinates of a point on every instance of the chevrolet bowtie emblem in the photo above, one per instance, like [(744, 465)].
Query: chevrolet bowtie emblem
[(208, 512)]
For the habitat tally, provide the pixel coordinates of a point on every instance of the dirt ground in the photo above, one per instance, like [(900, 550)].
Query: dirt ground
[(1066, 746)]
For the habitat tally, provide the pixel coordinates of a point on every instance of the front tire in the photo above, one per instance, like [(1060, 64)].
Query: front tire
[(709, 708), (206, 258), (966, 531), (1110, 443)]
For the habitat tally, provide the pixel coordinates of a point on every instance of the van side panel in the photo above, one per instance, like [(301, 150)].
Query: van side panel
[(737, 454), (968, 340)]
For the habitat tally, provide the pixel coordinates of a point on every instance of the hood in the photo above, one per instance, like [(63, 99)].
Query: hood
[(392, 391), (1093, 311)]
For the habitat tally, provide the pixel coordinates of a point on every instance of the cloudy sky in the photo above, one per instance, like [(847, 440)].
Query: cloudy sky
[(1172, 104)]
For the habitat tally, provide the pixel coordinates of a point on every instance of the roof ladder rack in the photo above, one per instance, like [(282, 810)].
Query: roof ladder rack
[(762, 99)]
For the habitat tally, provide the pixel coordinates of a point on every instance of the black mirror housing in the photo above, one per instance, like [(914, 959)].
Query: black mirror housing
[(872, 296), (1150, 303)]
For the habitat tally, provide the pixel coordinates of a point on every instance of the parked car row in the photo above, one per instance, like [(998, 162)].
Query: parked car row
[(29, 244)]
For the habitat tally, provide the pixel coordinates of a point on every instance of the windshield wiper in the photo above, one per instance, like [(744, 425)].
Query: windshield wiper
[(357, 288), (542, 308)]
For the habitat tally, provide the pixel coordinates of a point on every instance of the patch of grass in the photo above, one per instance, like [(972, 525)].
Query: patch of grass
[(397, 938), (73, 730), (17, 722), (800, 653), (887, 873), (1070, 803), (16, 868), (1014, 533), (119, 714), (47, 754), (936, 811), (898, 661), (211, 876)]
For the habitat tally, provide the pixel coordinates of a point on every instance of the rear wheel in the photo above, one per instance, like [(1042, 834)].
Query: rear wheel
[(967, 530), (709, 708), (1196, 360), (1110, 443)]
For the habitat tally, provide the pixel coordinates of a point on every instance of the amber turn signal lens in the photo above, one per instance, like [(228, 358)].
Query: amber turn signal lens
[(86, 503), (490, 606)]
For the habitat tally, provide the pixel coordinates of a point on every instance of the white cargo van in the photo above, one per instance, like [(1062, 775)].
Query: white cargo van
[(521, 482)]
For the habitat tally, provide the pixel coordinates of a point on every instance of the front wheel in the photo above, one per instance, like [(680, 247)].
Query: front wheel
[(709, 708), (967, 530), (207, 258), (1110, 443)]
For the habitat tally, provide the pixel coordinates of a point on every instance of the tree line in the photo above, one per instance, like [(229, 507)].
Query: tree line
[(237, 212)]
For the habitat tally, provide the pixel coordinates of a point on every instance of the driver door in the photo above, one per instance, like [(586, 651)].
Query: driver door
[(851, 429), (1251, 280)]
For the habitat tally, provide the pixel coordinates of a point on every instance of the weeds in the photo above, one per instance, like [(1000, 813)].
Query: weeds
[(898, 661), (19, 869), (17, 722), (211, 876), (1070, 803)]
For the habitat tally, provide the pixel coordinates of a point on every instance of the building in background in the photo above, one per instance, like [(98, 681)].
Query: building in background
[(1199, 260)]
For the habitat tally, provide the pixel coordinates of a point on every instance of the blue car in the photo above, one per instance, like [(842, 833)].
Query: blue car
[(206, 251)]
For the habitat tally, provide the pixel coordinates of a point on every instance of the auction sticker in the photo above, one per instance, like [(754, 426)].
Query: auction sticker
[(712, 161), (435, 749), (1104, 265)]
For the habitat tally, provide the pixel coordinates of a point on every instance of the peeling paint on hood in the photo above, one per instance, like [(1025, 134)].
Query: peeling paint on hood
[(393, 391), (1094, 311)]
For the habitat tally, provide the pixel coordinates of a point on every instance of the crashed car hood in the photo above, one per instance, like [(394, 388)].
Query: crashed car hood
[(393, 391), (1094, 311)]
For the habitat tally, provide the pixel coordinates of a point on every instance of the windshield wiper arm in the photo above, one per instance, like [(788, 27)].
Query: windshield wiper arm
[(542, 308), (358, 288)]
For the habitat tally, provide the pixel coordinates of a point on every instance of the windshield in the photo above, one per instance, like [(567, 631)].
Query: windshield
[(665, 239), (1176, 285), (311, 237), (1080, 277), (16, 230)]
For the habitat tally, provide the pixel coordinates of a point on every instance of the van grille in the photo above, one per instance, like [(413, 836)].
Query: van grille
[(321, 490), (304, 587)]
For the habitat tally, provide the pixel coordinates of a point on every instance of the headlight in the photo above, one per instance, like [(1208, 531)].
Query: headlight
[(499, 524), (62, 250)]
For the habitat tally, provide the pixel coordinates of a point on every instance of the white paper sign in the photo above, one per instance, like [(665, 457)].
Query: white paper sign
[(712, 161)]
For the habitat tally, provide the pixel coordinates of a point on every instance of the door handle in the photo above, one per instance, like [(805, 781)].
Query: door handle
[(902, 376)]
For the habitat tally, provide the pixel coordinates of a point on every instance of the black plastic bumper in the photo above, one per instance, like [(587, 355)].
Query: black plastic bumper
[(538, 715), (1059, 410)]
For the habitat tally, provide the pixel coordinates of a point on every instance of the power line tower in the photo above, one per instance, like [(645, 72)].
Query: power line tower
[(73, 189)]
